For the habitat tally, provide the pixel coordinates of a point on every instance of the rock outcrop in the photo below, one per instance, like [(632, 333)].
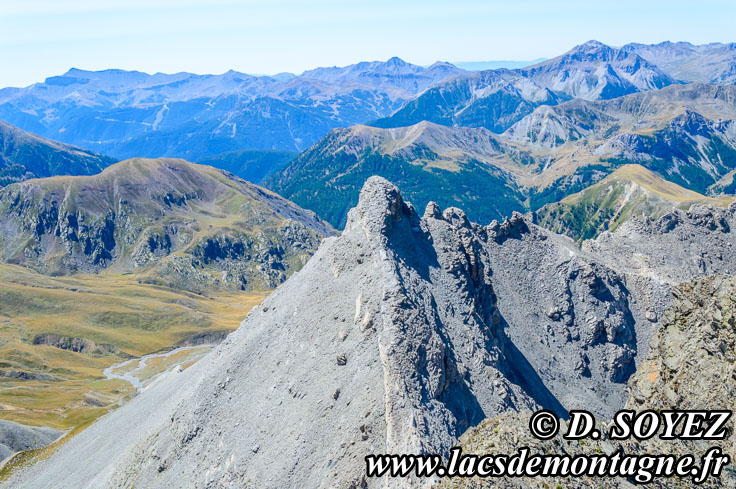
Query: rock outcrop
[(676, 247), (397, 336), (16, 437), (171, 222), (689, 366)]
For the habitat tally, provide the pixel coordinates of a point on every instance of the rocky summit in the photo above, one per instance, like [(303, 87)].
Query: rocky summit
[(396, 337)]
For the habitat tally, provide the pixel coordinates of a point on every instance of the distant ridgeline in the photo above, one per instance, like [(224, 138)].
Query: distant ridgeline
[(490, 141)]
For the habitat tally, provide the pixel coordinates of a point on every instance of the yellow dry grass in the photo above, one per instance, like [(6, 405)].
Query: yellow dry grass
[(65, 389)]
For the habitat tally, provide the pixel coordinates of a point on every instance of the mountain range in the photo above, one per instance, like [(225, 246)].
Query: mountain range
[(405, 331), (685, 133), (555, 236), (496, 99), (129, 114), (686, 62)]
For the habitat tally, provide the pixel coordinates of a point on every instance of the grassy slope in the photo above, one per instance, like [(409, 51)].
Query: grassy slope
[(138, 194), (630, 190), (107, 308)]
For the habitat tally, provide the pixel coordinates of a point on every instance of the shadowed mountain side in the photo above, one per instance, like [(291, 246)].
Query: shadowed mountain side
[(251, 165), (689, 366), (24, 155), (399, 335)]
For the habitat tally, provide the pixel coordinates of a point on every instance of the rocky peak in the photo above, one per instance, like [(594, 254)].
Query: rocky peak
[(395, 61), (400, 334), (379, 205)]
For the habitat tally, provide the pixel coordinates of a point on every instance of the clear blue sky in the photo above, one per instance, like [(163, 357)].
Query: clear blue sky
[(39, 38)]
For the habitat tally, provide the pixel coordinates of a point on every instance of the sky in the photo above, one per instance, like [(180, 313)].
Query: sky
[(41, 38)]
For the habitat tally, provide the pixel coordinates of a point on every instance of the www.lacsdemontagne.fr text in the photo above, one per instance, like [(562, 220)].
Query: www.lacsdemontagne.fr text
[(523, 463)]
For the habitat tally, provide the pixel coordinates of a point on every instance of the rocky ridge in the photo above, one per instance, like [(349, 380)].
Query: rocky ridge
[(424, 326), (689, 366), (679, 246)]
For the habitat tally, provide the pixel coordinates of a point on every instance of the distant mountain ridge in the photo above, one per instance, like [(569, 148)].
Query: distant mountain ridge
[(129, 113), (24, 155), (685, 133), (496, 99), (395, 72), (714, 62)]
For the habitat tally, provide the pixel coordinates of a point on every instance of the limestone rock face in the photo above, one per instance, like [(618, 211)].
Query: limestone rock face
[(397, 336), (690, 366), (678, 246)]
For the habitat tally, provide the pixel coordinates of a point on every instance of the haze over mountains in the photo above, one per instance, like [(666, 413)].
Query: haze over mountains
[(127, 114), (439, 305)]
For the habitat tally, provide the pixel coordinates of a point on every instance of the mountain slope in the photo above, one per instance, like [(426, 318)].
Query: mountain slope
[(679, 246), (398, 335), (631, 190), (61, 333), (458, 165), (714, 62), (685, 133), (689, 366), (170, 221), (253, 165), (493, 99), (15, 437), (496, 99), (24, 155), (130, 114)]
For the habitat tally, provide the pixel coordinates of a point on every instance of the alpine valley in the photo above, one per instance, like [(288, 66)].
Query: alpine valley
[(237, 281)]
